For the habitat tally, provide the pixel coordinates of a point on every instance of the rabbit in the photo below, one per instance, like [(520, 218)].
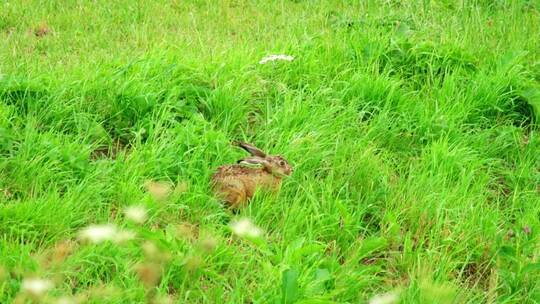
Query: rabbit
[(236, 183)]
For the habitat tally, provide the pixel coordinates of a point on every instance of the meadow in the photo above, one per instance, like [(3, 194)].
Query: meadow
[(412, 127)]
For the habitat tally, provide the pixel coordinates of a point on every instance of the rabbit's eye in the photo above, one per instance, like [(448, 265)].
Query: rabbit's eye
[(282, 163)]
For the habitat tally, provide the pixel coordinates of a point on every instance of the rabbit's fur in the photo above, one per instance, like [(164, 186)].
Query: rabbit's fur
[(236, 183)]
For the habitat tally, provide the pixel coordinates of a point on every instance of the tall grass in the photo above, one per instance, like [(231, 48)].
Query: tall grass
[(412, 128)]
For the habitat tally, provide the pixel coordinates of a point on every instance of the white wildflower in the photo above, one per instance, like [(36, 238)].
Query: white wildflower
[(108, 232), (387, 298), (36, 287), (98, 233), (136, 214), (272, 58), (245, 228)]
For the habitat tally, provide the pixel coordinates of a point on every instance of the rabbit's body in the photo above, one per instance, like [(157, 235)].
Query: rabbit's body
[(236, 183)]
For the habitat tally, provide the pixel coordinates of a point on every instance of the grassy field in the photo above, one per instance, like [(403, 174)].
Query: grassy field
[(412, 127)]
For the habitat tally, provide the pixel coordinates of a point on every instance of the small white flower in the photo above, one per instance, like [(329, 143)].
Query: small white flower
[(136, 213), (98, 233), (275, 58), (386, 298), (245, 228), (36, 287)]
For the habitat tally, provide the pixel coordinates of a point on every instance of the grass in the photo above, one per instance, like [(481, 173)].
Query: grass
[(412, 128)]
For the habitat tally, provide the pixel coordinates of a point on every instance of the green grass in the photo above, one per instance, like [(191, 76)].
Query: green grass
[(412, 128)]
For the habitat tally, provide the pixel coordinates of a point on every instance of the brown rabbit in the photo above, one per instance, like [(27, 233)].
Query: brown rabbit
[(236, 183)]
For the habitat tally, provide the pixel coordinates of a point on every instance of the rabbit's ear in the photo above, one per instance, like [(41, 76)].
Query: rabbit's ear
[(251, 149), (254, 161)]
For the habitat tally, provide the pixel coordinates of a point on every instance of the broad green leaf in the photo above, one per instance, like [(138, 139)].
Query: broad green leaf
[(289, 286)]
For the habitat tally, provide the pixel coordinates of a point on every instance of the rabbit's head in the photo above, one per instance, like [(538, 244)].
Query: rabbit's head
[(274, 164)]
